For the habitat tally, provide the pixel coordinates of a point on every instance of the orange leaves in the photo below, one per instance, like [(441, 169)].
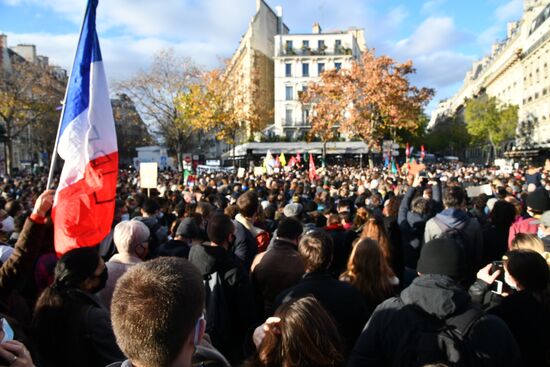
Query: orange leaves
[(367, 100)]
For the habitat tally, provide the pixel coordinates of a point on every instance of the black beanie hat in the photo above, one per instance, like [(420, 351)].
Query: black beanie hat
[(538, 200), (442, 256)]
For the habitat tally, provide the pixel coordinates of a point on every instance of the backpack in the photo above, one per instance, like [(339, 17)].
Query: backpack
[(218, 315), (436, 340)]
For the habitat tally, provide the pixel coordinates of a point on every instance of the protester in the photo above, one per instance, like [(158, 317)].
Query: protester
[(131, 241), (187, 234), (455, 223), (368, 270), (150, 217), (526, 310), (537, 202), (300, 334), (341, 300), (280, 267), (410, 329), (157, 316), (230, 308), (246, 235), (71, 327)]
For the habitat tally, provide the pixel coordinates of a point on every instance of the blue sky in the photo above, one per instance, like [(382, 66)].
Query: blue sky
[(442, 37)]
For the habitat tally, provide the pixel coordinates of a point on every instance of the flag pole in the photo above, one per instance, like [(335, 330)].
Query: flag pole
[(54, 154)]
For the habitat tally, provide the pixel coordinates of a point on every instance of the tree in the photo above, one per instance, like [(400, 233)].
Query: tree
[(155, 92), (329, 105), (489, 121), (222, 106), (449, 136), (29, 96)]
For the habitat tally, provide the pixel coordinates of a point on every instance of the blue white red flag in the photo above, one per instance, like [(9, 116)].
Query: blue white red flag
[(85, 198)]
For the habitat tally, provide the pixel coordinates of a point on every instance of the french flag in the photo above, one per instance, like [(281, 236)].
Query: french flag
[(84, 202)]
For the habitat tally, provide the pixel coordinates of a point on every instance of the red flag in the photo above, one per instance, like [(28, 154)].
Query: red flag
[(312, 170), (408, 151), (422, 152), (292, 162), (298, 158)]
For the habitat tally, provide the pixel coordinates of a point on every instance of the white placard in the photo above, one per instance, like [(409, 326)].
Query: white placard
[(240, 172), (475, 191), (148, 174)]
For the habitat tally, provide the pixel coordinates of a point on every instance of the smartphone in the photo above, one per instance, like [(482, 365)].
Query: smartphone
[(498, 285)]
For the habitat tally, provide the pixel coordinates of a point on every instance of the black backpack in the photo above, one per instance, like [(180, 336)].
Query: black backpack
[(434, 340), (219, 323)]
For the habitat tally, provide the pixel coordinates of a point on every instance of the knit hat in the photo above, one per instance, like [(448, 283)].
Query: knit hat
[(293, 210), (538, 200), (442, 256), (187, 228)]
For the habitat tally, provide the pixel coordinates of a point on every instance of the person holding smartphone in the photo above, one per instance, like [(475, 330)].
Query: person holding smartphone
[(522, 302)]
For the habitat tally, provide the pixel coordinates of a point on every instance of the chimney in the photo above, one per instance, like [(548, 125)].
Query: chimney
[(279, 12), (512, 26), (258, 5), (3, 41), (316, 29)]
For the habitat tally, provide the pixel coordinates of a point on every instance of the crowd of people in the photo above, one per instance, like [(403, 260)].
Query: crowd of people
[(357, 267)]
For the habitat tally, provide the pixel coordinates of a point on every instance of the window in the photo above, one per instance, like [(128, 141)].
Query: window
[(321, 45), (288, 117), (338, 43), (305, 43), (289, 93), (288, 45), (305, 69), (320, 68), (338, 65), (305, 116), (288, 69)]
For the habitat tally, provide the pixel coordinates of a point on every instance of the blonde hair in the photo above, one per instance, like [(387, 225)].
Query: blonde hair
[(528, 241)]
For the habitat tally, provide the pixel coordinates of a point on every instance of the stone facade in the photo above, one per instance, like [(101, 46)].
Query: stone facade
[(252, 62), (299, 60), (516, 72)]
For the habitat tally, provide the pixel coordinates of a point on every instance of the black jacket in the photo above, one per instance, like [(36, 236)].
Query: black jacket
[(342, 301), (412, 226), (244, 247), (237, 291), (83, 337), (173, 248), (526, 317), (385, 336)]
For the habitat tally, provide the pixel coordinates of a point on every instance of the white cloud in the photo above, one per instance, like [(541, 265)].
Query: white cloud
[(509, 11), (435, 33), (431, 6), (442, 69)]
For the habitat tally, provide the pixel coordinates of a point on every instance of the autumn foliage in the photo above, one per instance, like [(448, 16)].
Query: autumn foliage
[(372, 98)]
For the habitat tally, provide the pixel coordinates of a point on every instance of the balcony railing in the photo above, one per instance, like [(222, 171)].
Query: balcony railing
[(307, 51)]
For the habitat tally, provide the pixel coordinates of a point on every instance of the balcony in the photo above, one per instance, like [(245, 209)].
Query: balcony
[(308, 51)]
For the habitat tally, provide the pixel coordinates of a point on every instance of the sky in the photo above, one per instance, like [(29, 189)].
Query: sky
[(441, 37)]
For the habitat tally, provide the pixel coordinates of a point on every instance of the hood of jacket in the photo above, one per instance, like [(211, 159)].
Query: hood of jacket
[(453, 218), (438, 295), (210, 259), (150, 222)]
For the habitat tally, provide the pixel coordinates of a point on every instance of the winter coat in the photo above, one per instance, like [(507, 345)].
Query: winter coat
[(470, 229), (523, 226), (275, 270), (237, 291), (244, 247), (175, 248), (384, 338), (412, 226), (341, 300), (527, 318), (84, 337)]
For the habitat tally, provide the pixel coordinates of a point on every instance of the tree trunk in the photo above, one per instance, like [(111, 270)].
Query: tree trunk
[(325, 152), (9, 150)]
